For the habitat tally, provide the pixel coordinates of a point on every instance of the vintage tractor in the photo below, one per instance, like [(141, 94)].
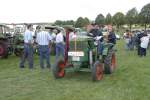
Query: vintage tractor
[(18, 44), (83, 54), (18, 40), (10, 43), (5, 41), (3, 47)]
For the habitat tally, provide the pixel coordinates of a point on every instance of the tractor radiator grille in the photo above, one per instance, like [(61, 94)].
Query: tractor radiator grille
[(78, 45)]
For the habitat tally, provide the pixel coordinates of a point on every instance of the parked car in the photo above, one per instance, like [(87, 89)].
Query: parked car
[(118, 36)]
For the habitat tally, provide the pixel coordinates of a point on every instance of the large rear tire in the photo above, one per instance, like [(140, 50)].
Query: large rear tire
[(97, 71), (59, 69), (3, 50), (109, 62)]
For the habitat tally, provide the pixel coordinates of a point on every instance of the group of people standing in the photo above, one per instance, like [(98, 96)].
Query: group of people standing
[(138, 40), (43, 40)]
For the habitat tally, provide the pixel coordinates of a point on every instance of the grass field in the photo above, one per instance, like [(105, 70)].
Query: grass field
[(130, 81)]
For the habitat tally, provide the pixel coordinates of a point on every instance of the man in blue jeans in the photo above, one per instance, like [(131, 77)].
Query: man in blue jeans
[(43, 39), (28, 48), (60, 50)]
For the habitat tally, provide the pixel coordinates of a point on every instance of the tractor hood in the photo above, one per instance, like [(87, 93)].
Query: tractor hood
[(81, 38)]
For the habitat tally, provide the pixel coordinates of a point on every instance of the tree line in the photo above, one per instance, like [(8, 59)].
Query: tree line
[(132, 17)]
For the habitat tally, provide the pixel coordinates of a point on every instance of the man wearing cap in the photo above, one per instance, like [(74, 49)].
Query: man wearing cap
[(28, 47), (43, 40)]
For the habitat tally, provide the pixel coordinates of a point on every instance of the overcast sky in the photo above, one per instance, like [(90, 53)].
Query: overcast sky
[(16, 11)]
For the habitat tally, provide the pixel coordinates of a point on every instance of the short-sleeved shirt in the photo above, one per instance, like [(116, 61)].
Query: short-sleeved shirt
[(144, 41), (28, 36), (59, 38), (43, 38), (71, 35), (53, 35)]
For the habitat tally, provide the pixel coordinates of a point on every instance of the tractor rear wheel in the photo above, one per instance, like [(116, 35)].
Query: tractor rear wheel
[(59, 69), (97, 71), (109, 62), (3, 50)]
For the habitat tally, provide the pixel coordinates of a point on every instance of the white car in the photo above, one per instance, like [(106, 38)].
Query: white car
[(117, 36)]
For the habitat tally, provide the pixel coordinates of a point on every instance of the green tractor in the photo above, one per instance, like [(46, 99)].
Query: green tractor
[(82, 54), (10, 43), (5, 41), (18, 44), (18, 40)]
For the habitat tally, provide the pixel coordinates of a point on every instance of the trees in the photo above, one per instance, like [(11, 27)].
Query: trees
[(81, 22), (100, 20), (145, 15), (131, 17), (108, 19), (68, 22), (86, 21), (58, 22), (118, 19)]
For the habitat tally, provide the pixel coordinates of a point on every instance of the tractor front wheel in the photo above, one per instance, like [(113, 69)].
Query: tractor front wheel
[(110, 62), (97, 71), (59, 69), (18, 52)]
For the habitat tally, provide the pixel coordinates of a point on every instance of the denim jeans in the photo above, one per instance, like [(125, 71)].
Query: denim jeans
[(59, 50), (142, 51), (44, 53), (100, 48), (127, 46), (27, 54)]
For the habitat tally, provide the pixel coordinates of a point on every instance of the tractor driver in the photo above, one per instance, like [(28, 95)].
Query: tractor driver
[(94, 30)]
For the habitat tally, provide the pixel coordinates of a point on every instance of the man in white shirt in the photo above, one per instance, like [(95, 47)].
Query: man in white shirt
[(54, 32), (43, 39), (144, 44), (59, 44), (127, 39), (28, 47), (72, 36)]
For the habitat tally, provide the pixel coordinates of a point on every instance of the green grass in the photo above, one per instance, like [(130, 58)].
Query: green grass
[(130, 81)]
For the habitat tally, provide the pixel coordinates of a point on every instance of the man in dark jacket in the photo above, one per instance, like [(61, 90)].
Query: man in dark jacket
[(111, 36), (94, 31)]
